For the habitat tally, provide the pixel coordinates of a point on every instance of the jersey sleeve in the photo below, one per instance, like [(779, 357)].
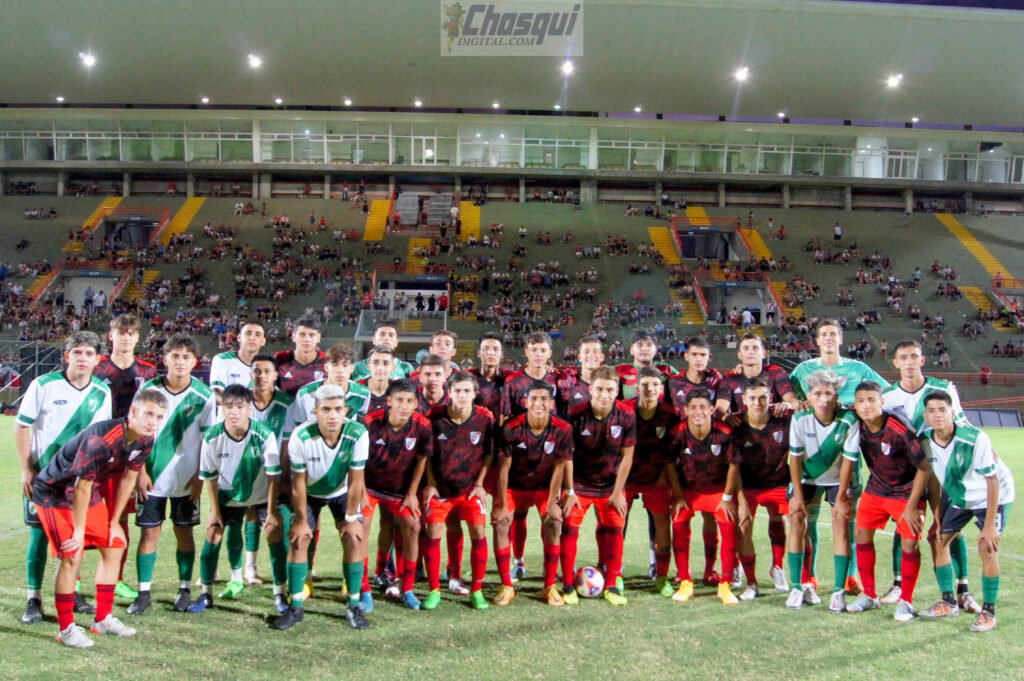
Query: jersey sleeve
[(271, 456), (959, 417), (360, 452), (31, 404), (783, 384), (105, 413), (984, 463), (851, 446), (565, 452), (872, 375), (297, 455), (797, 379), (629, 430), (296, 415), (797, 446), (915, 452), (506, 400), (208, 461), (218, 374), (209, 416), (91, 453), (502, 446)]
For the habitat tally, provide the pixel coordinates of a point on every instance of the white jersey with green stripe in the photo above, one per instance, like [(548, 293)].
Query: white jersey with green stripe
[(852, 372), (275, 415), (174, 460), (909, 406), (962, 466), (822, 447), (57, 411), (227, 368), (327, 468), (240, 467), (357, 400)]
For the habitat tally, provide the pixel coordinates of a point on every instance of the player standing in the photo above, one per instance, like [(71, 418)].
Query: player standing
[(305, 363), (380, 362), (490, 376), (338, 366), (385, 335), (643, 348)]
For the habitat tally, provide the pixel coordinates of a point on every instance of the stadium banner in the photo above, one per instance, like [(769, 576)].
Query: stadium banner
[(523, 28)]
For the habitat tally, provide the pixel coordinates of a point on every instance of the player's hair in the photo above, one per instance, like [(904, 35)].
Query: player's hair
[(308, 321), (908, 343), (462, 376), (490, 335), (699, 393), (697, 342), (649, 372), (604, 373), (868, 387), (263, 357), (341, 352), (402, 385), (379, 350), (150, 395), (754, 337), (541, 385), (432, 360), (328, 391), (385, 324), (125, 323), (251, 322), (641, 334), (82, 338), (182, 341), (755, 383), (827, 321), (938, 395), (235, 393), (824, 377), (588, 339), (442, 333), (538, 337)]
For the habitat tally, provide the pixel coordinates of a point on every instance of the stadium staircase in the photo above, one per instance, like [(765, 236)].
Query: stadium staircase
[(105, 208), (661, 238), (408, 206), (975, 247), (470, 214), (134, 291), (439, 209), (41, 283), (697, 216), (377, 221), (413, 262), (182, 219)]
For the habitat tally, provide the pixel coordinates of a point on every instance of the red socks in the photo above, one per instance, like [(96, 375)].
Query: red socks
[(730, 541), (681, 547), (66, 609), (432, 557), (456, 544), (517, 534), (503, 559), (910, 566), (478, 562), (613, 555), (104, 601), (552, 554), (570, 538), (365, 586), (661, 561), (866, 568), (710, 536), (747, 563), (382, 561), (777, 538), (806, 577)]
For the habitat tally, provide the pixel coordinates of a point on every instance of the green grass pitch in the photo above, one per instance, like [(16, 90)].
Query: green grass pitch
[(651, 638)]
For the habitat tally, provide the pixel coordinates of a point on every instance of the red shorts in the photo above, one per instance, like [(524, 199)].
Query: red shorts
[(523, 500), (59, 526), (773, 499), (874, 513), (706, 502), (657, 498), (607, 515), (392, 506), (109, 494), (467, 509)]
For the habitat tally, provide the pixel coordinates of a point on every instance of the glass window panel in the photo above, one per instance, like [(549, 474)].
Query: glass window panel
[(203, 150), (12, 150), (39, 149), (236, 151), (104, 150), (340, 152)]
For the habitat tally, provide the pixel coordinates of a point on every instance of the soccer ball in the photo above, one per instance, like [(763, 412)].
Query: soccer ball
[(589, 582)]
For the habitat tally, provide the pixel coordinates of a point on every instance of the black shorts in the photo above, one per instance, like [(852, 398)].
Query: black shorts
[(338, 506), (235, 515), (955, 519), (31, 517), (812, 492), (153, 511)]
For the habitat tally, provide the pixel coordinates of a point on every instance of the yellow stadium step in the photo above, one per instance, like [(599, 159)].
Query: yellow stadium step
[(459, 298), (377, 221), (758, 247), (414, 263), (975, 247), (105, 208), (981, 301), (134, 291), (412, 325), (465, 348), (181, 220), (691, 312), (780, 289), (470, 215), (40, 284), (698, 216), (662, 239)]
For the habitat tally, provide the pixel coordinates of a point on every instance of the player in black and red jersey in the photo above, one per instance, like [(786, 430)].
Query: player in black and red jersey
[(455, 476), (762, 438), (729, 401), (534, 448), (67, 494), (124, 373), (305, 363), (432, 376), (895, 490), (604, 434), (643, 348), (704, 476), (574, 384), (655, 421), (380, 362), (400, 442), (490, 376)]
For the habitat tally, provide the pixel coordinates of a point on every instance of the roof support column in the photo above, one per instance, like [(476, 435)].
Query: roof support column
[(968, 202), (62, 179), (126, 185), (785, 197), (190, 185), (522, 190), (721, 195), (327, 185), (588, 191), (847, 198), (254, 187), (265, 182), (908, 201)]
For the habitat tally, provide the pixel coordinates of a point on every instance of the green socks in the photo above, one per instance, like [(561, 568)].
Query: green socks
[(354, 581), (234, 540), (897, 557), (944, 576), (958, 552), (144, 564), (208, 562), (35, 558), (296, 581), (842, 566), (279, 562), (252, 536), (989, 590), (796, 568), (186, 561)]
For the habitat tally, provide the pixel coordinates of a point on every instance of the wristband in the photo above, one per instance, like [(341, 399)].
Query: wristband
[(352, 518), (570, 492), (726, 497)]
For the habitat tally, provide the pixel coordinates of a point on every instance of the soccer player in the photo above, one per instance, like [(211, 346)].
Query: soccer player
[(67, 496), (455, 477), (818, 438), (433, 390), (172, 471), (56, 407), (400, 441), (895, 490), (380, 362), (905, 399), (241, 464), (643, 347), (338, 365), (575, 383), (235, 367), (305, 363), (973, 484), (729, 398), (123, 372), (444, 344), (385, 335), (655, 421), (327, 458), (604, 435), (490, 376), (534, 448), (762, 439), (704, 476)]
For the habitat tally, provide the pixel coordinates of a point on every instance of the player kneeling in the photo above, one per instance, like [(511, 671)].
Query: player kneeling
[(75, 517)]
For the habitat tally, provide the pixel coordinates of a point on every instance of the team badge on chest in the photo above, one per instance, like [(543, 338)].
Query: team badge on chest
[(474, 437), (778, 435), (549, 447), (410, 442), (616, 432), (716, 450)]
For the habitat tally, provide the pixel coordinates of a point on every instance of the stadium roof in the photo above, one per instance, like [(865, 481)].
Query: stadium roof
[(806, 59)]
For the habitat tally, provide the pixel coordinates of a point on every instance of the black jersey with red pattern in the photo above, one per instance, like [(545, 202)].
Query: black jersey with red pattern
[(573, 389), (392, 456), (653, 440), (376, 401), (534, 456), (598, 444), (425, 406), (629, 374), (731, 387), (292, 375), (123, 383), (679, 387), (703, 464), (517, 385), (488, 393), (460, 450), (98, 453), (764, 453), (893, 456)]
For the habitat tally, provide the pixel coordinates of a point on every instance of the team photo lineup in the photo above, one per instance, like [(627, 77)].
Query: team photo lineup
[(405, 460)]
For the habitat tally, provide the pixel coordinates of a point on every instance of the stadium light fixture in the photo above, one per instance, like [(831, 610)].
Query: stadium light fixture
[(255, 61), (558, 107), (347, 102), (781, 114), (496, 105), (205, 100), (88, 59), (417, 102), (278, 101), (568, 67), (915, 119), (894, 80), (60, 100), (637, 109), (741, 74)]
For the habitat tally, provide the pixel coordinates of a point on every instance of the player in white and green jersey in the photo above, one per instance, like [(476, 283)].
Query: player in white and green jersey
[(235, 367), (852, 372), (338, 366), (172, 470), (973, 484), (327, 457), (56, 407), (905, 400), (818, 439), (384, 334), (241, 465)]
